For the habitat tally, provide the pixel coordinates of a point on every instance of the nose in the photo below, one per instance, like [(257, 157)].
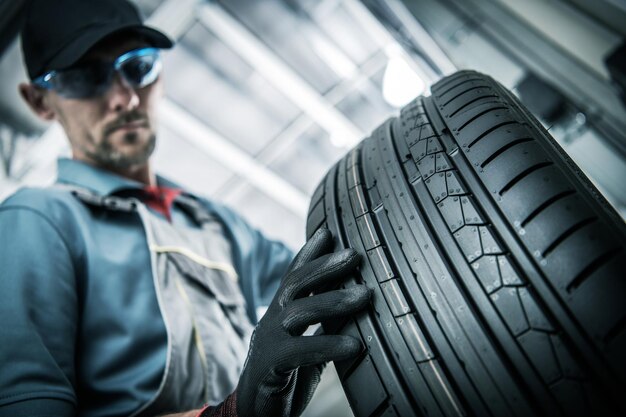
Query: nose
[(122, 96)]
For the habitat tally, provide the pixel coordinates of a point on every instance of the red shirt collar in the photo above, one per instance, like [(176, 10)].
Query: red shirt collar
[(161, 199)]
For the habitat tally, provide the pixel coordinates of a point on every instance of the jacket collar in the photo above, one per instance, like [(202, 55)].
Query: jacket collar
[(100, 181)]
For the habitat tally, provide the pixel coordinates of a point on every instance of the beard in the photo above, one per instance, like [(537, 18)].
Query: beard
[(107, 154)]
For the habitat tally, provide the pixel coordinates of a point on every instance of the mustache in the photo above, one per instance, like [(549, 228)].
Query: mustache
[(124, 120)]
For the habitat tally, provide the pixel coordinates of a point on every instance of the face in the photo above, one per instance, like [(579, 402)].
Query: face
[(116, 130)]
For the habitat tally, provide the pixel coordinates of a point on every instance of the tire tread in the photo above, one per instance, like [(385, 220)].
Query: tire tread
[(485, 247)]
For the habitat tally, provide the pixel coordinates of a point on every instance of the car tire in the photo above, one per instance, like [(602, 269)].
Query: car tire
[(498, 269)]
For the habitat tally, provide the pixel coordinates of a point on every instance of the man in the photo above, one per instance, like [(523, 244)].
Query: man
[(120, 293)]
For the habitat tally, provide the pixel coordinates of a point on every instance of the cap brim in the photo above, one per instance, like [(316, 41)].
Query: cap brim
[(75, 50)]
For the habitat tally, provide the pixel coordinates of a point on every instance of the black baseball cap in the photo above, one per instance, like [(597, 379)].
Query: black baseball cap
[(57, 33)]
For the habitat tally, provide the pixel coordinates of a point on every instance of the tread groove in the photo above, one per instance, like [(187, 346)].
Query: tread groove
[(464, 92), (449, 80), (567, 234), (546, 204), (479, 115), (488, 131), (503, 149), (615, 331), (523, 174), (456, 85), (474, 101), (586, 273)]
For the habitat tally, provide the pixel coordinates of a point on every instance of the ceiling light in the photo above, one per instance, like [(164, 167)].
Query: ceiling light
[(401, 83), (339, 141)]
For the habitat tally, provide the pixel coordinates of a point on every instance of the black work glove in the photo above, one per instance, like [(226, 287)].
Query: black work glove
[(283, 367)]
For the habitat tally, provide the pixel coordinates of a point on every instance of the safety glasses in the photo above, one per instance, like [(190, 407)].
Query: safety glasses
[(140, 67)]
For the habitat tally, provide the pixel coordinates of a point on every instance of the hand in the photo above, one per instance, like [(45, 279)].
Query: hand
[(283, 367)]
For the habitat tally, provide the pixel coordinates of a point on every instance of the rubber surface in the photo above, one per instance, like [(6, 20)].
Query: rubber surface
[(498, 268)]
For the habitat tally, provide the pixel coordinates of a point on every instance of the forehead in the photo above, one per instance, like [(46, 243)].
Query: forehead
[(114, 46)]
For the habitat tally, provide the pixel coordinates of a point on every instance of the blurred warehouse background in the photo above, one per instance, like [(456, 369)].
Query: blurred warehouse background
[(263, 96)]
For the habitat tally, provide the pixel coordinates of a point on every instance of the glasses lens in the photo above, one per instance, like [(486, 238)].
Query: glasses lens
[(141, 70), (88, 80)]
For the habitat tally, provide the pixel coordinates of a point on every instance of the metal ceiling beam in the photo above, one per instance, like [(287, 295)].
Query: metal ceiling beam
[(37, 161), (191, 129), (595, 96), (421, 37), (284, 140), (174, 17), (390, 45), (277, 72), (11, 13), (609, 13)]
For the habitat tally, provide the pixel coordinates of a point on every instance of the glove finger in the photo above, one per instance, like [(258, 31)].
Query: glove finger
[(304, 312), (328, 269), (319, 244), (316, 350), (306, 384)]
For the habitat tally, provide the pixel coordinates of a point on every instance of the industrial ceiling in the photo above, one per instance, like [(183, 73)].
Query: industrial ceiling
[(263, 96)]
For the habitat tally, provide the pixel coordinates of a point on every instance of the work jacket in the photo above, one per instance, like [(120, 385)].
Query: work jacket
[(82, 332)]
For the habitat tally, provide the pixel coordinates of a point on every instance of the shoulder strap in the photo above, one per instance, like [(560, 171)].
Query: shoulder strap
[(194, 208), (90, 198)]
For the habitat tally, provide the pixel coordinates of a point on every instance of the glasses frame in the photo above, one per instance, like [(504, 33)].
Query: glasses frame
[(46, 81)]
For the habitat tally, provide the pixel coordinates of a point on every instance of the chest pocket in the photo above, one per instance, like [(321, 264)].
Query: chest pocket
[(217, 280)]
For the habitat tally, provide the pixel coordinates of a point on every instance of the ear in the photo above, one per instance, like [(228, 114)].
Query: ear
[(37, 101)]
